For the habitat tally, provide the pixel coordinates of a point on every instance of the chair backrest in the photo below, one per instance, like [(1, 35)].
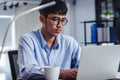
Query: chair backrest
[(13, 56)]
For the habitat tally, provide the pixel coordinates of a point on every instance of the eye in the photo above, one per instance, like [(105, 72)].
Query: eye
[(63, 20), (55, 19)]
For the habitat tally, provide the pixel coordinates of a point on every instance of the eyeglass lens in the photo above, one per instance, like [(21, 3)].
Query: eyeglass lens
[(57, 20)]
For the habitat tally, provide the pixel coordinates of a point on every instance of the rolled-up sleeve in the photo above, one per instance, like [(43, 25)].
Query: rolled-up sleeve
[(75, 55)]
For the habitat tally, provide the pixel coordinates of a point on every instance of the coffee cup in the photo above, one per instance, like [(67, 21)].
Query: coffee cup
[(52, 73)]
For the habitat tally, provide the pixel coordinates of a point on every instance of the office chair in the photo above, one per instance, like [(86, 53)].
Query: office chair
[(13, 55)]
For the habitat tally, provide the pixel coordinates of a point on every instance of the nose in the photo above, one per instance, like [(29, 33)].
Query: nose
[(59, 24)]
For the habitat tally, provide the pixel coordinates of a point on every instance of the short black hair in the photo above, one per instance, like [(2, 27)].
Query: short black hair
[(59, 8)]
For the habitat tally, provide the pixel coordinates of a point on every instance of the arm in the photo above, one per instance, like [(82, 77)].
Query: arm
[(71, 74), (28, 65)]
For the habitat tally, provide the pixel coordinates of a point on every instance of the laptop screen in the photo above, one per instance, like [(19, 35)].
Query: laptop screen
[(99, 62)]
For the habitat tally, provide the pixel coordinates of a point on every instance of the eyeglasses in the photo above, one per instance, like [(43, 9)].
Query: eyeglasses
[(57, 20)]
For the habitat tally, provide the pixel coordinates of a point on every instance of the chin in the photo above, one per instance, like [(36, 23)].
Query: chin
[(56, 34)]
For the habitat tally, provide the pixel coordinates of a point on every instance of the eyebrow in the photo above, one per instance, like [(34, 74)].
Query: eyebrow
[(59, 17)]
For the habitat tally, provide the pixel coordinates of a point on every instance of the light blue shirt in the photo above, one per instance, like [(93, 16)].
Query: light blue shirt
[(34, 53)]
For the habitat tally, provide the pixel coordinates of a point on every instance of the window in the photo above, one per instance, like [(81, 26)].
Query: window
[(9, 44), (10, 39)]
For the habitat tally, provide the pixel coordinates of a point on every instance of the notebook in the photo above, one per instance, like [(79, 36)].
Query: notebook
[(99, 62)]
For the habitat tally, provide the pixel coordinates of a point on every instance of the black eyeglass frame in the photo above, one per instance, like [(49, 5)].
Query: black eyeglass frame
[(57, 20)]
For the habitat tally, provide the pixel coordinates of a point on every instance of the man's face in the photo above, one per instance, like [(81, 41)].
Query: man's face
[(54, 24)]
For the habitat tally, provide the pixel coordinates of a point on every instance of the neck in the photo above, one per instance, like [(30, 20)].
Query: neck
[(48, 38)]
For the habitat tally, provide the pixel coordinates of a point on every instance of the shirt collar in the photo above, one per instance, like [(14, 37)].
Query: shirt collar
[(57, 42), (42, 40), (44, 43)]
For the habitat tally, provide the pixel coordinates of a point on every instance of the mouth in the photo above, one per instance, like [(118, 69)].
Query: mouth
[(58, 31)]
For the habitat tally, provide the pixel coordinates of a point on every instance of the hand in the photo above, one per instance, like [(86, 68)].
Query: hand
[(69, 74)]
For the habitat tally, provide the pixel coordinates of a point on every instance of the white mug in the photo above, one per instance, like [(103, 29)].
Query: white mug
[(52, 73)]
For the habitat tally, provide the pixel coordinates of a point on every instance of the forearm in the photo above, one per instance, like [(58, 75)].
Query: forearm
[(27, 72), (68, 74)]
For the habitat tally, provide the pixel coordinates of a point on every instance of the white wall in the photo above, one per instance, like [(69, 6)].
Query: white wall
[(27, 22), (8, 12), (84, 11), (5, 16), (69, 28)]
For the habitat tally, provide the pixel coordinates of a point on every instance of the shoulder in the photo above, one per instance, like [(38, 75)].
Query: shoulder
[(68, 39), (29, 34), (28, 37), (70, 43)]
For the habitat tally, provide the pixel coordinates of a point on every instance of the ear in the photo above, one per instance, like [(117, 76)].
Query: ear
[(42, 18)]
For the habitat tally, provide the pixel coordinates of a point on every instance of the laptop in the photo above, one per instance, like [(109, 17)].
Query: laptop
[(99, 62)]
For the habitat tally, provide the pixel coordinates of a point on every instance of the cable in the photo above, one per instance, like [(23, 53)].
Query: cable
[(20, 15)]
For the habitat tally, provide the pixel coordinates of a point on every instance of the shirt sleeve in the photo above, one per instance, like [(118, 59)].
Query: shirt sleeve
[(28, 65), (75, 55)]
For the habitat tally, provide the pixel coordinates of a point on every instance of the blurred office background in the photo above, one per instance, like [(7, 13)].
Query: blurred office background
[(79, 10)]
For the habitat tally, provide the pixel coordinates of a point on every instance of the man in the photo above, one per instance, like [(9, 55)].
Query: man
[(48, 46)]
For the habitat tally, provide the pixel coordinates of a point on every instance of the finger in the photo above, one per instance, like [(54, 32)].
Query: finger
[(75, 70), (74, 73)]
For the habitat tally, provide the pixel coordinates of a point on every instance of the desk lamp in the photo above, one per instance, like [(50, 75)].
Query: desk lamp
[(20, 15)]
